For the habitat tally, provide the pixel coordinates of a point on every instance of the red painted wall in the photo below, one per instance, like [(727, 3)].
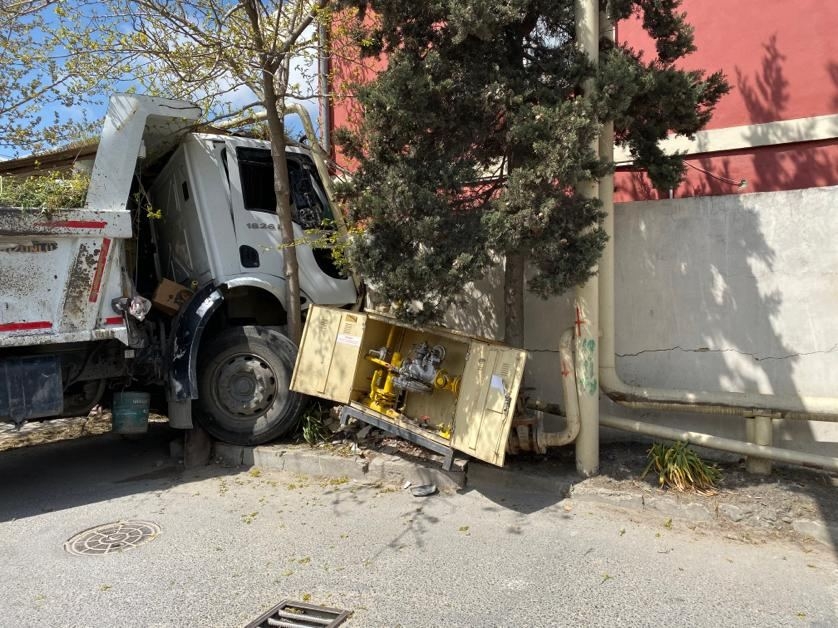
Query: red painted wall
[(781, 60), (347, 69), (766, 169), (780, 57)]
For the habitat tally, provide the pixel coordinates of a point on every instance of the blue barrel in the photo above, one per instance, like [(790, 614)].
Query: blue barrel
[(130, 412)]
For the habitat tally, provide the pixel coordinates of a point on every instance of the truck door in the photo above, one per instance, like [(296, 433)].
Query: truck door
[(254, 210), (258, 237)]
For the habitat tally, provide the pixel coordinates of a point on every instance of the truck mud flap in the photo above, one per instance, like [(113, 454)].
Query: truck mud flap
[(188, 328), (30, 388)]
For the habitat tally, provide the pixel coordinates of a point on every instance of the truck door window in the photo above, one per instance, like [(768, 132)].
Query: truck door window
[(310, 207), (256, 172)]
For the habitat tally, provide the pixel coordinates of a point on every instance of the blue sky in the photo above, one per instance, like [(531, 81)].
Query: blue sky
[(95, 109)]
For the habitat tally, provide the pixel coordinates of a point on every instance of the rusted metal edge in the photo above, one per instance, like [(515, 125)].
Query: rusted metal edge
[(702, 407), (280, 616)]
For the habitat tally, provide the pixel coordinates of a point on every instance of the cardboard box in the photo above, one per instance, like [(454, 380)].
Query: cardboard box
[(169, 297)]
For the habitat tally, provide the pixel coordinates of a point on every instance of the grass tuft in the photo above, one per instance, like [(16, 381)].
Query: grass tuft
[(680, 468), (314, 423)]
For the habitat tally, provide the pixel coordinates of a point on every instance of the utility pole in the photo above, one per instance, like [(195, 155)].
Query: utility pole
[(586, 299)]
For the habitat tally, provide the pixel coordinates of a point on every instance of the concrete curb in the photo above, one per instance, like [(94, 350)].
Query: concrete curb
[(484, 477), (818, 530), (370, 468), (692, 512)]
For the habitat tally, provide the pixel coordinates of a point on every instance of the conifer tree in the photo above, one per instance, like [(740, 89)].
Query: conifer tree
[(475, 135)]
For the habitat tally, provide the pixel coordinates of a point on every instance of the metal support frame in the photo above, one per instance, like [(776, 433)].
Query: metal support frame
[(409, 435), (759, 431)]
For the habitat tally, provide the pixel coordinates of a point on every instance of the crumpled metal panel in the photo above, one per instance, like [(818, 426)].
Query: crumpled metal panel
[(55, 272)]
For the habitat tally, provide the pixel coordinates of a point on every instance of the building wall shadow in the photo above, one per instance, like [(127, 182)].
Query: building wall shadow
[(728, 290)]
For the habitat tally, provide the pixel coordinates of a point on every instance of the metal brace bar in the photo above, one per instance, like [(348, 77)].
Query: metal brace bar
[(401, 432)]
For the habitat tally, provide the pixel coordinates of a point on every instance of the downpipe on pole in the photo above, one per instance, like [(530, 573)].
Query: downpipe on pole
[(569, 391), (641, 397)]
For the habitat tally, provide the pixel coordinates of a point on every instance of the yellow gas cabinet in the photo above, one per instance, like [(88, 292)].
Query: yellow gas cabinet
[(440, 389)]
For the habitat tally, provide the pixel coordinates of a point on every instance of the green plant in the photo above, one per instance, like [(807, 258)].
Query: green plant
[(475, 141), (328, 236), (314, 423), (679, 467), (47, 192), (143, 202)]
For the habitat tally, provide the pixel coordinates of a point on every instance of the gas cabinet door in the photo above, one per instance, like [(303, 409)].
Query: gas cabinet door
[(486, 402), (329, 352)]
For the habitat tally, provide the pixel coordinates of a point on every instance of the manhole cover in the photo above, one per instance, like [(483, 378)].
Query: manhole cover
[(112, 537)]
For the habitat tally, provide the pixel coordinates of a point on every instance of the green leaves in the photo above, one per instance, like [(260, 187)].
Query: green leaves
[(476, 134), (647, 101), (38, 85), (313, 423), (58, 57), (47, 192)]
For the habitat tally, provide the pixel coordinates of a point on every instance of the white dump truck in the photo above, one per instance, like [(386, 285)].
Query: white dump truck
[(171, 275)]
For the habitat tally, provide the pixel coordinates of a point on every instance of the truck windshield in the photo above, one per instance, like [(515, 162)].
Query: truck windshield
[(310, 209)]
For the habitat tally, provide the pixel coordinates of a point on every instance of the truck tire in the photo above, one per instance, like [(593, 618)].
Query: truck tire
[(243, 386)]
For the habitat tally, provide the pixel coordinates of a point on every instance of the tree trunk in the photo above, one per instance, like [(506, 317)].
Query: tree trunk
[(513, 275), (513, 300), (276, 124)]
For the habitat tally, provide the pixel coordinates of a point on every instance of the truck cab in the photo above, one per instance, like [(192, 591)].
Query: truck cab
[(167, 206), (218, 219)]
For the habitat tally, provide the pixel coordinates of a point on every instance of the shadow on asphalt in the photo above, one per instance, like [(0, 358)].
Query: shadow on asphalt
[(87, 470), (527, 483), (790, 499)]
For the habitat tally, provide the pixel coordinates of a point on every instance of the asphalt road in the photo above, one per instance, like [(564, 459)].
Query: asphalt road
[(234, 543)]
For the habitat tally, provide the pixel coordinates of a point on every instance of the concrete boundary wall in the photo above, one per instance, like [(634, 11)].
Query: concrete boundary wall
[(734, 293)]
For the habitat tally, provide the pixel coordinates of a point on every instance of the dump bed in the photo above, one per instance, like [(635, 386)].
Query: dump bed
[(58, 275), (60, 270)]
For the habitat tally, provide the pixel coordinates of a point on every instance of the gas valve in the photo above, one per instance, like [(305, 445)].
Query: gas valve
[(421, 372)]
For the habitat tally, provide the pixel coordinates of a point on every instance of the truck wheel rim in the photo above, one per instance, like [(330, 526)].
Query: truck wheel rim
[(246, 385)]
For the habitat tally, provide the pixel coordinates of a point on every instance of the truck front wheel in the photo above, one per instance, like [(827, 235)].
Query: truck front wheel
[(243, 379)]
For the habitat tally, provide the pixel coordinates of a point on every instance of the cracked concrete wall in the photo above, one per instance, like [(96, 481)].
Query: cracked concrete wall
[(730, 292), (733, 293)]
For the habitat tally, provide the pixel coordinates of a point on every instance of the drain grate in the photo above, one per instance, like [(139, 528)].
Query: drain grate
[(112, 537), (288, 614)]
